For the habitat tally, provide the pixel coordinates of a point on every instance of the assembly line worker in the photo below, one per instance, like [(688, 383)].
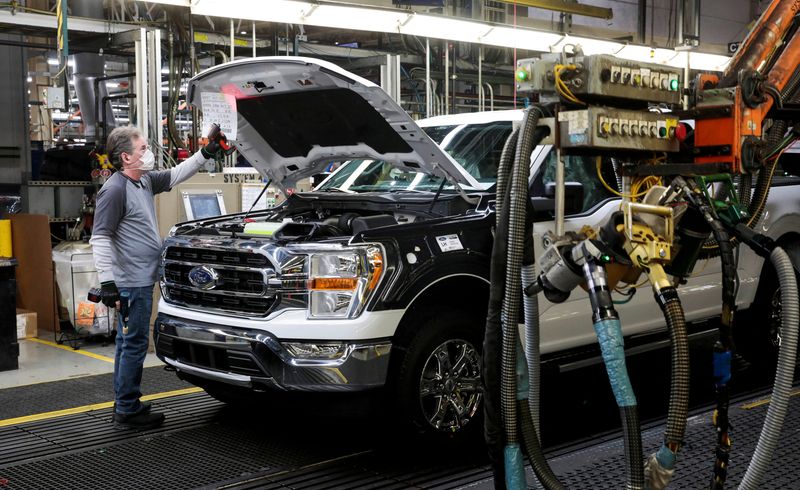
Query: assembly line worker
[(127, 245)]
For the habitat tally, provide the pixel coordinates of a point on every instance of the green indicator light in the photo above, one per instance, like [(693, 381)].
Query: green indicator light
[(673, 84), (605, 258), (522, 75)]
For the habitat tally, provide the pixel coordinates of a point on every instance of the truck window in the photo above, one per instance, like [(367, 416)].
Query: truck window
[(477, 147), (579, 168)]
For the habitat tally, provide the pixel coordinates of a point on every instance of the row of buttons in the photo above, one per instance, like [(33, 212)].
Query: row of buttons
[(643, 78), (652, 129)]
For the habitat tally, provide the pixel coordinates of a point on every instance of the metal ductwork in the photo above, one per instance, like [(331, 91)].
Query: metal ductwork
[(88, 67)]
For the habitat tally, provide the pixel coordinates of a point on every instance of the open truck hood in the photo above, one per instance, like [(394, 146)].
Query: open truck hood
[(292, 116)]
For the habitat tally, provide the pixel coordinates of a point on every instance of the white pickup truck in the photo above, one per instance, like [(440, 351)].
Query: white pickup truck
[(379, 277)]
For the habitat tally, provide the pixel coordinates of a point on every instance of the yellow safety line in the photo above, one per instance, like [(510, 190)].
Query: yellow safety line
[(758, 403), (70, 349), (89, 408)]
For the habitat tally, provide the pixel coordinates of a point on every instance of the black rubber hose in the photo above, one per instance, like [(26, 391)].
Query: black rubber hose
[(679, 384), (536, 457), (518, 195), (492, 342), (745, 189), (632, 435), (504, 168), (764, 179)]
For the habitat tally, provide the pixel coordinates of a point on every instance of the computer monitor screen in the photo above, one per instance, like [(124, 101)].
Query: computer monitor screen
[(204, 205)]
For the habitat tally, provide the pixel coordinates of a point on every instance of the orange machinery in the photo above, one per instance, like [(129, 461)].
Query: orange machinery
[(730, 110)]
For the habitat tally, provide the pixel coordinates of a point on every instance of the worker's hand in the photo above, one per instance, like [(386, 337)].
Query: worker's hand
[(216, 141), (109, 294)]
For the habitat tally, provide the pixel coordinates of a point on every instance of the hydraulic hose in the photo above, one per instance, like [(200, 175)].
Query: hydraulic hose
[(492, 343), (755, 200), (790, 315), (745, 189), (755, 207), (609, 335), (661, 464), (723, 348), (535, 455)]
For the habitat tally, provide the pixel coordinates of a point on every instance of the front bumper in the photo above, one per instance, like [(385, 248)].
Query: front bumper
[(256, 359)]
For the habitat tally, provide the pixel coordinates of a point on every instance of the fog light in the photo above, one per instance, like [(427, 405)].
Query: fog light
[(330, 304), (315, 351)]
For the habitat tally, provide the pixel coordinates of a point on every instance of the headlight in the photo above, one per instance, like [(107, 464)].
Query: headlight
[(340, 282)]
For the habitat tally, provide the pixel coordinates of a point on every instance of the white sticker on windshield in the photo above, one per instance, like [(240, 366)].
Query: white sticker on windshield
[(219, 109), (448, 243)]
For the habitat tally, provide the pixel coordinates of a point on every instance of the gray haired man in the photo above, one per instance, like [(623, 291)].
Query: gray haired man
[(126, 246)]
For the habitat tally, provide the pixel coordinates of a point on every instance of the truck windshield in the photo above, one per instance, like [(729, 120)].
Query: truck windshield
[(476, 147)]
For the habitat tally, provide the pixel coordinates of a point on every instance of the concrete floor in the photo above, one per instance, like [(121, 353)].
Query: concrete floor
[(43, 360)]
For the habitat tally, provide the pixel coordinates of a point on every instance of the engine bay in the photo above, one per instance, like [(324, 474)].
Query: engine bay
[(323, 215)]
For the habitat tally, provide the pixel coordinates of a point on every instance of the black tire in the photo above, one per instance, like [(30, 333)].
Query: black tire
[(436, 380), (758, 339)]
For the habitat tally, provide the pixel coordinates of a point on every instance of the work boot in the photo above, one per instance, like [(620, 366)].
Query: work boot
[(144, 408), (140, 420)]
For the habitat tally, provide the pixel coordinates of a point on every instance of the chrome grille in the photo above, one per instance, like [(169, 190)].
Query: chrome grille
[(241, 284)]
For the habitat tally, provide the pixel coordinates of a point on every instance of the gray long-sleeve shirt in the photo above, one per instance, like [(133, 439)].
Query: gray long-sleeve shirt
[(125, 240)]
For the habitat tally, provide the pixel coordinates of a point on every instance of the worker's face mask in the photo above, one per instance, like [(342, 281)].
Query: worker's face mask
[(148, 161)]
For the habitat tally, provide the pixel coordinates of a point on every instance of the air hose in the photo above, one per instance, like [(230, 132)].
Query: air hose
[(512, 205), (661, 464), (528, 393), (492, 343), (517, 208), (790, 315), (532, 336), (781, 391), (609, 335)]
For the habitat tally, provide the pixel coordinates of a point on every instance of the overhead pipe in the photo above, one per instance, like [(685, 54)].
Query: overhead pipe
[(446, 78), (641, 26), (428, 101), (481, 98)]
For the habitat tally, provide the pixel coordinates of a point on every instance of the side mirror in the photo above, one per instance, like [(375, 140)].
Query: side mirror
[(573, 199)]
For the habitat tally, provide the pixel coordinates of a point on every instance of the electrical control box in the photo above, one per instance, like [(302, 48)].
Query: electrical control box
[(55, 98), (606, 128), (602, 78)]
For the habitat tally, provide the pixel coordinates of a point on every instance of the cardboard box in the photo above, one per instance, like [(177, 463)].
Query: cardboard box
[(26, 324), (35, 285)]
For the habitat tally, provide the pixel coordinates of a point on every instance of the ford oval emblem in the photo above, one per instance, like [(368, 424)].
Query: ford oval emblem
[(203, 277)]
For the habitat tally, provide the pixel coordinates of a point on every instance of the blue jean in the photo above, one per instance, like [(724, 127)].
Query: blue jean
[(132, 349)]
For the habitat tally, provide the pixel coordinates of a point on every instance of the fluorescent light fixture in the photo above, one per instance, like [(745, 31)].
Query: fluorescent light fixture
[(52, 61), (392, 20), (179, 3)]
